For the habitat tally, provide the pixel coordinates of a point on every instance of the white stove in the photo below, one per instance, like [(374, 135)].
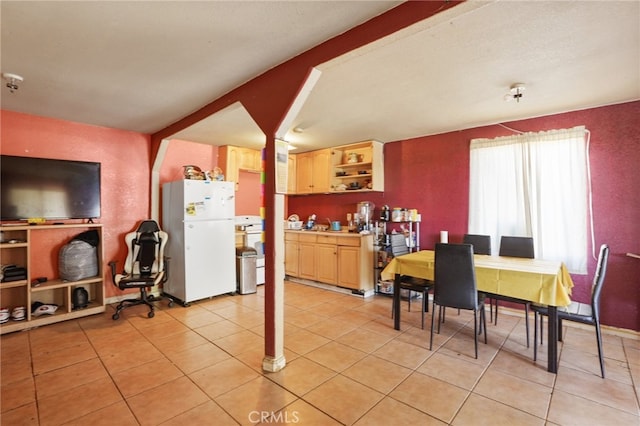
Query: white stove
[(253, 227)]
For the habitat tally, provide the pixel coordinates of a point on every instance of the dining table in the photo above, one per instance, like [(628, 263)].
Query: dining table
[(539, 281)]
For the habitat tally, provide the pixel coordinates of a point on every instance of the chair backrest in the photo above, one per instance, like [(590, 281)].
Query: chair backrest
[(145, 249), (481, 243), (598, 280), (455, 276), (398, 245), (517, 247)]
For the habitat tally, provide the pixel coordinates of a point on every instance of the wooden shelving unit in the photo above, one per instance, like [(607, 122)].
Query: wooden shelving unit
[(358, 167), (16, 248)]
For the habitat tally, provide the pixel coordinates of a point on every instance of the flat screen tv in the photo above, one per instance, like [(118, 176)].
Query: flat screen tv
[(50, 189)]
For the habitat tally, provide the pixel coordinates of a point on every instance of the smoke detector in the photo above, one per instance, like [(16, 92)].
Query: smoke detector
[(13, 80)]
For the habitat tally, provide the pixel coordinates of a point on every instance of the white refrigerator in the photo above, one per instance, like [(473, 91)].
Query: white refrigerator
[(199, 215)]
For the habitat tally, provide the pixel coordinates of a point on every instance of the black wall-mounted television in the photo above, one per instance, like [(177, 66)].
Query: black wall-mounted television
[(50, 189)]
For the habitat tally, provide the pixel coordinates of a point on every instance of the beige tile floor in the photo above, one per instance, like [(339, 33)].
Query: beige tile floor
[(201, 365)]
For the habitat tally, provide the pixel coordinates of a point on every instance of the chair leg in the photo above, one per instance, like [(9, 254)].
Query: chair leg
[(535, 336), (433, 321), (600, 353), (526, 319), (483, 319), (475, 332), (496, 316), (425, 306), (422, 316), (491, 310)]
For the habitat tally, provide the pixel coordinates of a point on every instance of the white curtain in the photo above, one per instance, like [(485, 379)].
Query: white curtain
[(533, 184)]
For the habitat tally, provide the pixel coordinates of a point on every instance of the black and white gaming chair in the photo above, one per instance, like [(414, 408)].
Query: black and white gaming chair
[(144, 267)]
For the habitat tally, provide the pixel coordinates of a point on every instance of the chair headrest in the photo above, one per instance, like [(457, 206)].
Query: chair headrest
[(148, 227)]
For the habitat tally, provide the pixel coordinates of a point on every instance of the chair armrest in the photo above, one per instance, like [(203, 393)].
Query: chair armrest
[(112, 265), (167, 261)]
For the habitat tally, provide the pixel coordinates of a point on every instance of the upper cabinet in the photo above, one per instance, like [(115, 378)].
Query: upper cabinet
[(313, 172), (358, 167), (232, 159), (250, 159)]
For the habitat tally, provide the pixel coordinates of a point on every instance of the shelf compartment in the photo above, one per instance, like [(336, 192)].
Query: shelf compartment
[(13, 284), (55, 284), (370, 160)]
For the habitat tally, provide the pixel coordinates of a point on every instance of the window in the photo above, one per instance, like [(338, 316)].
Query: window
[(533, 184)]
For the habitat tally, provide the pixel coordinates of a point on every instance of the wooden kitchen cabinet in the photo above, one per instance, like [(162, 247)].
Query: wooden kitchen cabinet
[(340, 259), (250, 159), (232, 159), (228, 160), (349, 271), (313, 172), (307, 257), (327, 261), (358, 167), (291, 257)]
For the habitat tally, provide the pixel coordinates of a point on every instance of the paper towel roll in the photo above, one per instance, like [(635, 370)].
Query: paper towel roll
[(444, 237)]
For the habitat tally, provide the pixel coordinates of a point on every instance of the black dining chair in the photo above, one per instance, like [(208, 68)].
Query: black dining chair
[(455, 286), (513, 247), (579, 312), (481, 243), (412, 284)]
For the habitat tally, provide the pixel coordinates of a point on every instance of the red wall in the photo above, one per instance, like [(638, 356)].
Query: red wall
[(432, 174), (125, 158), (181, 153), (125, 181)]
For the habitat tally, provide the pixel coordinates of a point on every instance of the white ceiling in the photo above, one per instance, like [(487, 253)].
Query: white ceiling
[(144, 65)]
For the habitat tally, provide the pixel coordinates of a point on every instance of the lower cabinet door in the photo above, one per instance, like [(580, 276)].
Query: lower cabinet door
[(349, 267), (307, 260), (326, 263), (291, 258)]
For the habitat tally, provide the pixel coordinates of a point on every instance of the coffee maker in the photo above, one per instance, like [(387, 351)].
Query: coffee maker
[(365, 215)]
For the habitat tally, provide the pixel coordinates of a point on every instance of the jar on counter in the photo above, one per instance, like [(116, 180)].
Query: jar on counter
[(396, 215)]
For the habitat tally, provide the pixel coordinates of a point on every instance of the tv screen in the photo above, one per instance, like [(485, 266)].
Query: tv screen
[(50, 189)]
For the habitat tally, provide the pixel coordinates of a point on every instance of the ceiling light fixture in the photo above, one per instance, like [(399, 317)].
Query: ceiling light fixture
[(12, 80), (298, 129), (515, 92)]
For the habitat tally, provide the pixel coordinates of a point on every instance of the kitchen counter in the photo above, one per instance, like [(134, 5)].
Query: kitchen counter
[(332, 233), (333, 258)]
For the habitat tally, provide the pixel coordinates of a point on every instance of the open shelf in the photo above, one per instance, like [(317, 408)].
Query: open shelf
[(54, 291)]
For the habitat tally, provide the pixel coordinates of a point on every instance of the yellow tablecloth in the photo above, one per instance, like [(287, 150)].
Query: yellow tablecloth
[(539, 281)]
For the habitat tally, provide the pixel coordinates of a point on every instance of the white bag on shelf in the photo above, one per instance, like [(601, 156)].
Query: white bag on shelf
[(78, 260)]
